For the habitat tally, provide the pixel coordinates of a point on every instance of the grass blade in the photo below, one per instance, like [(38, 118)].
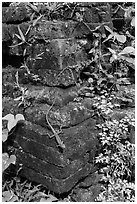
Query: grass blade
[(21, 34), (16, 45), (18, 36)]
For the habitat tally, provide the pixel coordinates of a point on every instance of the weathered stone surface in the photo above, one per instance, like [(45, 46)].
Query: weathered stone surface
[(15, 13), (57, 185), (87, 195), (46, 30), (46, 168), (57, 54), (46, 77), (54, 30), (10, 106), (63, 45), (49, 30), (72, 137), (90, 180), (40, 155), (70, 115), (57, 79), (8, 81), (43, 94)]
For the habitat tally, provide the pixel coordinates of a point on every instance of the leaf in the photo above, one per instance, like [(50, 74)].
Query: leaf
[(95, 75), (18, 36), (36, 20), (112, 59), (14, 198), (109, 37), (108, 29), (16, 45), (21, 103), (96, 35), (7, 195), (19, 117), (90, 80), (43, 200), (29, 27), (112, 51), (12, 159), (119, 74), (12, 121), (5, 157), (98, 27), (8, 117), (101, 80), (32, 16), (24, 52), (33, 7), (123, 81), (117, 86), (4, 135), (133, 22), (127, 50), (6, 160), (110, 76), (121, 38), (21, 34), (129, 60), (11, 124), (50, 198), (18, 98), (128, 12), (103, 35), (91, 51)]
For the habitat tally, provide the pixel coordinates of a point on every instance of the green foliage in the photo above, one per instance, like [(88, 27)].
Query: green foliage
[(117, 191), (19, 190), (112, 57), (114, 36), (20, 36), (116, 161), (7, 160), (12, 122)]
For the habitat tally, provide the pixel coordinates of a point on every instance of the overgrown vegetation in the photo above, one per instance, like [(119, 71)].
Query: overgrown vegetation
[(116, 161), (111, 60), (117, 156)]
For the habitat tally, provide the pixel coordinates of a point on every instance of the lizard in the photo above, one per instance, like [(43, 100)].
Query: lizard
[(55, 134)]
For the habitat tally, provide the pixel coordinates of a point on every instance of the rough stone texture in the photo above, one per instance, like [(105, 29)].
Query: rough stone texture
[(86, 195), (39, 153), (43, 94), (64, 44), (10, 106), (17, 13), (69, 115)]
